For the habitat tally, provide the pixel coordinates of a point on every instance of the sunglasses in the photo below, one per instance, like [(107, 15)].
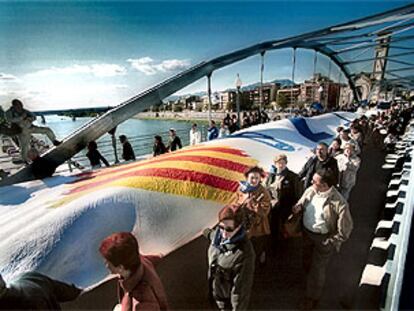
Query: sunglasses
[(227, 229)]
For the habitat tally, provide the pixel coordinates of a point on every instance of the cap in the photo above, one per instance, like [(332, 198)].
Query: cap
[(279, 157), (172, 129)]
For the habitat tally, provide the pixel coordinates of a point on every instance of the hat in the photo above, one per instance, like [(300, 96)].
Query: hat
[(279, 157), (231, 212), (172, 129)]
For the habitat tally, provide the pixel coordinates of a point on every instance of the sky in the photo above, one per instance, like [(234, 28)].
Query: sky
[(74, 54)]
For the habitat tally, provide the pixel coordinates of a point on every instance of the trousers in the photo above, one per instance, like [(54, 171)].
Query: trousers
[(315, 260), (25, 137)]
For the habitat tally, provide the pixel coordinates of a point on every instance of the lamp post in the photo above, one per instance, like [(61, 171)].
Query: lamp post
[(113, 139), (320, 91), (209, 97), (238, 86)]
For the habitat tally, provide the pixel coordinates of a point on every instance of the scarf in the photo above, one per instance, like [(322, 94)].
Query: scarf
[(221, 244), (245, 187)]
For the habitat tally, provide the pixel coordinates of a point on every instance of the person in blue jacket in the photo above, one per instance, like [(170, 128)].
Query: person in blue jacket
[(213, 131)]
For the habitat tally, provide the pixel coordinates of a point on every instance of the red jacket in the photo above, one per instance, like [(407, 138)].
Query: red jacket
[(143, 290)]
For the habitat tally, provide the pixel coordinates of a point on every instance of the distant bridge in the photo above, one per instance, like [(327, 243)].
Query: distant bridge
[(73, 111)]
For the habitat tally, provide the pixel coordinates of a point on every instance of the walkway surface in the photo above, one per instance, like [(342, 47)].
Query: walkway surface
[(280, 284)]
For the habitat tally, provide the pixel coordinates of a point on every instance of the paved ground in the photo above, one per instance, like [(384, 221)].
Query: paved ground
[(280, 284)]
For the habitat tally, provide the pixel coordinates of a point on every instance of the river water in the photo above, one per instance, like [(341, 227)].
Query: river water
[(140, 133)]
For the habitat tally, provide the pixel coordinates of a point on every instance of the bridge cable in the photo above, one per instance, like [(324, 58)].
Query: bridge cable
[(293, 74), (209, 96), (315, 61), (261, 83)]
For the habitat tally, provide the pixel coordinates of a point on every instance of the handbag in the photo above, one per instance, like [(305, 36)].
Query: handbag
[(292, 228)]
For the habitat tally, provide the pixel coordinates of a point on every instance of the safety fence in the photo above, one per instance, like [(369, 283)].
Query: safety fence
[(385, 273), (141, 144)]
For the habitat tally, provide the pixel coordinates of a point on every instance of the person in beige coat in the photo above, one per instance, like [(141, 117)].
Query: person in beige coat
[(327, 223), (255, 199), (348, 165)]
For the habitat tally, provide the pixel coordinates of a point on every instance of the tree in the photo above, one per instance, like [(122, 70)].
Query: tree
[(282, 101)]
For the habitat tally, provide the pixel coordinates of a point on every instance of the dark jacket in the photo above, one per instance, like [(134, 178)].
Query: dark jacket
[(313, 165), (127, 151), (286, 192), (34, 291), (231, 269), (158, 149), (175, 144), (234, 127), (212, 133), (42, 168), (95, 158)]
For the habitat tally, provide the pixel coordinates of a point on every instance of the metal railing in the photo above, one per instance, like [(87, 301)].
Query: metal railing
[(396, 266), (383, 276), (141, 144)]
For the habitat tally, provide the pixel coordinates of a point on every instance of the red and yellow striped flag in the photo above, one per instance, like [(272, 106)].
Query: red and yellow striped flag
[(209, 173)]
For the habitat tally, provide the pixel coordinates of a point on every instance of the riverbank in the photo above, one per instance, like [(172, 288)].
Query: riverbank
[(191, 116), (185, 116)]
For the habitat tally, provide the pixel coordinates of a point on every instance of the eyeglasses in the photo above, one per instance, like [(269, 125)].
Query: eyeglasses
[(227, 229)]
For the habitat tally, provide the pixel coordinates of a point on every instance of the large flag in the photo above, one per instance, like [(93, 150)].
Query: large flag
[(55, 225)]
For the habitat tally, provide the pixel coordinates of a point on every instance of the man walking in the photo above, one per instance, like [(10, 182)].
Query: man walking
[(327, 223), (321, 160), (285, 189)]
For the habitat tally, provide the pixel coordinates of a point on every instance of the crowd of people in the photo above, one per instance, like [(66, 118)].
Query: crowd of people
[(17, 122), (315, 200), (261, 214)]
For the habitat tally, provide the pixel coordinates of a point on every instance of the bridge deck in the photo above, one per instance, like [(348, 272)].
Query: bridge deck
[(279, 285)]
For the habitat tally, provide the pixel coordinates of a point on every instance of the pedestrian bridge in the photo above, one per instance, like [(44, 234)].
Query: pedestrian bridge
[(366, 279), (346, 45)]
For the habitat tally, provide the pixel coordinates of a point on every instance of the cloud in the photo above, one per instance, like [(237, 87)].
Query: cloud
[(8, 77), (98, 70), (148, 66), (144, 64)]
